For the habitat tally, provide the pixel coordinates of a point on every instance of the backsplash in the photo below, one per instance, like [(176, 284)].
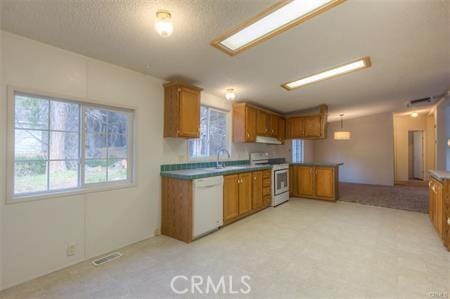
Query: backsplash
[(171, 167)]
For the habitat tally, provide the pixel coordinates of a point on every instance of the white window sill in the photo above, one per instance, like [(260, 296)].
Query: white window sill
[(65, 193)]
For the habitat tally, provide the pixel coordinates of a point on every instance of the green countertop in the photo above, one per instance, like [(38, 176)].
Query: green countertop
[(324, 164), (198, 173)]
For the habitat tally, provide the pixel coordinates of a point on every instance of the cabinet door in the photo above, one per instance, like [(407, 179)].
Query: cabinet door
[(281, 129), (274, 125), (298, 130), (324, 182), (230, 197), (250, 124), (189, 113), (292, 180), (305, 181), (245, 193), (439, 209), (313, 126), (261, 123), (431, 199), (257, 190)]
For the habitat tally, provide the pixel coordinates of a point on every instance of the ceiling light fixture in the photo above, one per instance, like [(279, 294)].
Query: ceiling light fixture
[(230, 95), (276, 19), (163, 24), (341, 134), (414, 114), (359, 64)]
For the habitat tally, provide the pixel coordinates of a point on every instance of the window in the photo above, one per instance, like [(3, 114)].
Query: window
[(297, 150), (213, 133), (64, 145)]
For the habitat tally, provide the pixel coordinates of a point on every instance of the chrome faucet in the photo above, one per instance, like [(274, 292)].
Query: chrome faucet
[(218, 163)]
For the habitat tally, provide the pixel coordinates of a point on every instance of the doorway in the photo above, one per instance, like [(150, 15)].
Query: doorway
[(416, 155)]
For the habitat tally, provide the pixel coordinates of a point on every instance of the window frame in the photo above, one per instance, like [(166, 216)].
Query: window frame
[(212, 157), (83, 188), (302, 152)]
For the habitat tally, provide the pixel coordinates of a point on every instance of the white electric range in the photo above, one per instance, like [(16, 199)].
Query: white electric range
[(280, 177)]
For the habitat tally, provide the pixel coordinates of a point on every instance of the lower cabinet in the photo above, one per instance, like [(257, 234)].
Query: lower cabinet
[(230, 197), (320, 182), (245, 193), (436, 206), (257, 190)]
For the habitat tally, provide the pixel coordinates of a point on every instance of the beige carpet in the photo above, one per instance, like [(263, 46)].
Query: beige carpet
[(409, 198)]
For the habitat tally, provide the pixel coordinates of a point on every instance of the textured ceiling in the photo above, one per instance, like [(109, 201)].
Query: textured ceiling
[(408, 41)]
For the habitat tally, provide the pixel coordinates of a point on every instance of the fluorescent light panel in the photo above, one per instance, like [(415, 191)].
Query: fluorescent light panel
[(278, 18), (337, 71)]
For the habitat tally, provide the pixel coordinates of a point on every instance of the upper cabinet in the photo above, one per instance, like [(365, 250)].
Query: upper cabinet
[(181, 110), (308, 126), (244, 123), (250, 121)]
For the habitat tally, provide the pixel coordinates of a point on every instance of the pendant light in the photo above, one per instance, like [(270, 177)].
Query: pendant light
[(341, 134)]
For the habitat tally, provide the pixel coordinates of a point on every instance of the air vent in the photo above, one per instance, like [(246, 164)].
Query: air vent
[(107, 258)]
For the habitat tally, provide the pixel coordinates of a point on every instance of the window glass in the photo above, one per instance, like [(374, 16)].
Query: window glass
[(297, 150), (49, 154), (213, 133)]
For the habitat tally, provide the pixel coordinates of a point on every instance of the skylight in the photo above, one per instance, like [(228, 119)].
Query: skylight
[(276, 19), (340, 70)]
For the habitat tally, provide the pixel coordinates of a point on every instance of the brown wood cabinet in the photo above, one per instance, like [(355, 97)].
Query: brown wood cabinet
[(313, 126), (436, 205), (305, 127), (244, 123), (439, 207), (230, 197), (319, 182), (181, 110), (250, 121), (257, 190), (249, 191), (245, 193)]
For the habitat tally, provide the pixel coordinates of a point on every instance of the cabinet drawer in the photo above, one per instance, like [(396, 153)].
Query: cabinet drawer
[(266, 191), (266, 182)]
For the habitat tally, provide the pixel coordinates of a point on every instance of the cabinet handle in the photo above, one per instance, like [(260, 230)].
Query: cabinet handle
[(248, 135)]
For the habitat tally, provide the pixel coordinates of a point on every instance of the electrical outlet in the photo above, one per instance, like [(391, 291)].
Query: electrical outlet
[(71, 249)]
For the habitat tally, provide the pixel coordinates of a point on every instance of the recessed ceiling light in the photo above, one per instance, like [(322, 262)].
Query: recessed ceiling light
[(337, 71), (230, 95), (278, 18), (414, 114), (163, 24)]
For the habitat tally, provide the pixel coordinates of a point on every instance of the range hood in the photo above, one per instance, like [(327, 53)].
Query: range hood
[(267, 140)]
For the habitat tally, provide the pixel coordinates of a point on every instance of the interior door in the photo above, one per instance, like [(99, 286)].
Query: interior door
[(189, 113), (245, 193), (230, 197), (324, 182), (257, 190), (250, 124), (305, 181), (418, 154)]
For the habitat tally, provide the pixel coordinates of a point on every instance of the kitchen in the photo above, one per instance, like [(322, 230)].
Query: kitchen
[(154, 149)]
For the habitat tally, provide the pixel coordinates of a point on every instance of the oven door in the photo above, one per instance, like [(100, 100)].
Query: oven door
[(280, 181)]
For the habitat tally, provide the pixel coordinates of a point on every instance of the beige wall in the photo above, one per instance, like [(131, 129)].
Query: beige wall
[(402, 125), (442, 133), (367, 156), (36, 234)]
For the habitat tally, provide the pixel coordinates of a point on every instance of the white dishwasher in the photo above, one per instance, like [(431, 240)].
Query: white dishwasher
[(207, 204)]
